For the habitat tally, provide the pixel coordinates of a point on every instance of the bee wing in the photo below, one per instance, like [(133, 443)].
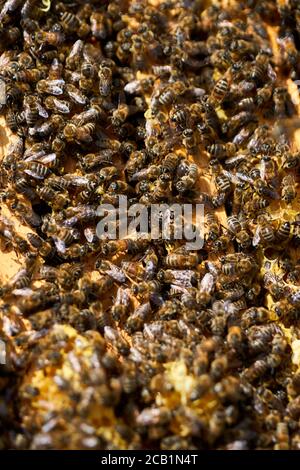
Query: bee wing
[(156, 299), (289, 180), (212, 268), (45, 159), (198, 92), (89, 234), (71, 222), (153, 330), (135, 355), (60, 245), (79, 181), (55, 87), (123, 296), (18, 275), (110, 334), (115, 272), (33, 174), (183, 277), (76, 96), (132, 87), (262, 169), (242, 177), (256, 238), (149, 127), (271, 73), (34, 156), (207, 283), (232, 161), (42, 111), (62, 106), (178, 288), (24, 292)]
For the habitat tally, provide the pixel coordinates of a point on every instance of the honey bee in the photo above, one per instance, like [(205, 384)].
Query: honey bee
[(45, 248), (69, 21), (92, 114), (136, 320), (263, 95), (220, 91), (288, 189), (52, 87), (175, 260), (223, 183), (184, 278), (26, 214), (213, 227), (29, 75), (291, 160), (101, 26), (280, 98), (127, 246), (121, 305), (188, 180), (287, 43), (221, 151), (82, 134), (178, 115), (35, 169), (92, 161), (257, 204), (53, 38), (105, 80), (284, 231), (256, 370), (282, 437), (265, 233)]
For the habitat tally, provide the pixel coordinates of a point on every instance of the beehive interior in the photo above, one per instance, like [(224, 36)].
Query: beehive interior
[(183, 365)]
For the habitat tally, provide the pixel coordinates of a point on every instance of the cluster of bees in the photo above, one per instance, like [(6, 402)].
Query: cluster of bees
[(140, 343)]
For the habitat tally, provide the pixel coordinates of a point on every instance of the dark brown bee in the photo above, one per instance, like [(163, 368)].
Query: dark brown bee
[(178, 116), (136, 320), (213, 227), (166, 97), (221, 151), (69, 21), (220, 91), (284, 231), (259, 70), (264, 95), (233, 224), (21, 185), (190, 139), (122, 304), (188, 180), (34, 169), (223, 183), (92, 161), (44, 247)]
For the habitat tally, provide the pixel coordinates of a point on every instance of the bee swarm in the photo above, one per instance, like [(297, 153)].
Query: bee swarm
[(140, 343)]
